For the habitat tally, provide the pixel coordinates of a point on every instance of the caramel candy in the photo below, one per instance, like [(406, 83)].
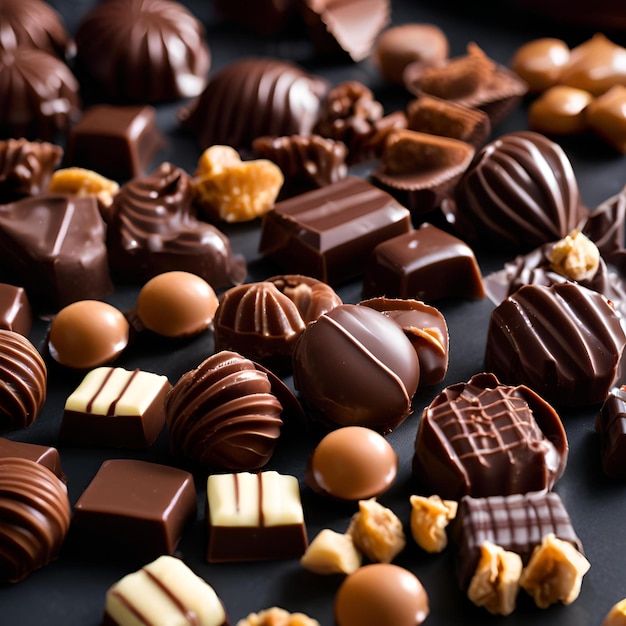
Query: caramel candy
[(606, 116), (560, 110), (77, 181), (352, 463), (617, 615), (541, 62), (429, 519)]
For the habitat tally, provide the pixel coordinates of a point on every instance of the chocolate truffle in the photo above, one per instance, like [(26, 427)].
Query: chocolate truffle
[(352, 463), (381, 593), (23, 381), (520, 192), (541, 62), (34, 517), (153, 229), (356, 367), (143, 50), (15, 310), (223, 414), (564, 341), (611, 426), (483, 438)]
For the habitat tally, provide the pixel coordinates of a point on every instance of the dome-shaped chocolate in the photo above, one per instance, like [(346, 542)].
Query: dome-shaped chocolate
[(520, 192), (34, 517), (23, 381), (223, 414), (143, 50)]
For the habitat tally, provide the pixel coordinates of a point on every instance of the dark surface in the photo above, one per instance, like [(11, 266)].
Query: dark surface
[(71, 591)]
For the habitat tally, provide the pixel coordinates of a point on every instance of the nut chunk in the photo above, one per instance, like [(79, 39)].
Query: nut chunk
[(554, 572), (496, 581), (277, 617), (377, 532), (429, 518), (617, 615), (332, 553), (576, 257)]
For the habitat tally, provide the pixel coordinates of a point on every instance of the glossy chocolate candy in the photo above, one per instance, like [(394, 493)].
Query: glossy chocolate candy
[(44, 455), (15, 311), (611, 426)]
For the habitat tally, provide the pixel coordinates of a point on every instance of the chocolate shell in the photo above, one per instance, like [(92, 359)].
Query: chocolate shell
[(34, 517), (565, 342), (153, 229), (482, 438), (223, 414), (143, 50)]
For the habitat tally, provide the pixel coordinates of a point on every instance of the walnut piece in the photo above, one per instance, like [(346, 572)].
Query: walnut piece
[(332, 553), (496, 581), (576, 257), (617, 615), (83, 182), (554, 572), (377, 532), (276, 616), (429, 519)]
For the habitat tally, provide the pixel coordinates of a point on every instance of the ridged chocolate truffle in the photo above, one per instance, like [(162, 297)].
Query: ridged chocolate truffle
[(153, 229), (23, 381), (223, 414), (252, 98), (34, 517), (520, 192), (143, 50), (565, 342)]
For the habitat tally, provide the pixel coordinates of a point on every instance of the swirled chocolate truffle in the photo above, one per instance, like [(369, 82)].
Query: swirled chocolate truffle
[(564, 341), (483, 438), (254, 97), (143, 50), (520, 192), (356, 367), (223, 414), (153, 229), (39, 94), (23, 381), (34, 517)]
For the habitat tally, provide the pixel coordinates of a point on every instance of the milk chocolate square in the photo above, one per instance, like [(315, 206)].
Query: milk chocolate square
[(44, 455), (15, 311)]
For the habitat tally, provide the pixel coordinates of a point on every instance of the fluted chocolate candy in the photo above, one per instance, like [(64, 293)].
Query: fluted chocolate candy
[(611, 426), (483, 438), (564, 341), (356, 367)]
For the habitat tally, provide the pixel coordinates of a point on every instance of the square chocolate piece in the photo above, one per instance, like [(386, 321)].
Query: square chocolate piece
[(329, 233), (44, 455), (426, 264), (16, 313), (135, 507), (118, 142), (117, 408), (254, 517)]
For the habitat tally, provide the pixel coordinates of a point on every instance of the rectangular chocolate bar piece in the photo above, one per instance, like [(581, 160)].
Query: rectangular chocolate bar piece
[(44, 455), (330, 232), (115, 407), (611, 426), (15, 311), (254, 517)]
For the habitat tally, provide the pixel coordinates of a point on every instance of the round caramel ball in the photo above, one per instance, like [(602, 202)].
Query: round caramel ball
[(541, 62), (381, 593), (176, 304), (87, 334), (352, 463)]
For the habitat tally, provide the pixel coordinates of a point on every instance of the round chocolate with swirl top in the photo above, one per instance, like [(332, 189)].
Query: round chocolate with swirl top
[(223, 414), (34, 517), (23, 381), (520, 192)]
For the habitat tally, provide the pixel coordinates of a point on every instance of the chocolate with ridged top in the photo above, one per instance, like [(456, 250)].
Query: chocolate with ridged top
[(520, 192), (34, 517), (483, 438), (153, 229), (564, 341), (611, 425)]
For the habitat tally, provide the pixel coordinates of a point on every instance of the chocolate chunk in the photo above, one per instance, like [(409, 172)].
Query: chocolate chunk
[(329, 233), (248, 521), (47, 456), (610, 423), (564, 341), (136, 508), (15, 310), (142, 50), (356, 367), (483, 438)]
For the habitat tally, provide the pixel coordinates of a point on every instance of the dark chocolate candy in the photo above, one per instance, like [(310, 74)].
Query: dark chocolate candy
[(44, 455), (605, 227), (564, 341), (356, 367), (611, 426), (133, 507), (329, 233), (424, 264), (483, 438), (15, 310), (53, 246)]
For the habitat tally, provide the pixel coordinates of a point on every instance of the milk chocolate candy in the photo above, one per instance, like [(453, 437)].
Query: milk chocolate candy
[(560, 110), (15, 311), (254, 517), (136, 508), (541, 62), (610, 424), (564, 341), (605, 116), (605, 225), (115, 407), (44, 455), (483, 438), (516, 523), (328, 233)]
